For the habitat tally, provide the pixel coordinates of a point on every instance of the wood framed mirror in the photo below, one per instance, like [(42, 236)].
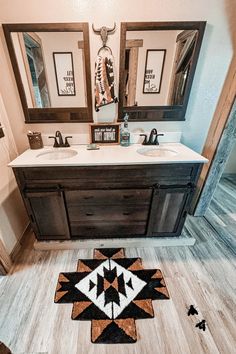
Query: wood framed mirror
[(51, 63), (157, 66)]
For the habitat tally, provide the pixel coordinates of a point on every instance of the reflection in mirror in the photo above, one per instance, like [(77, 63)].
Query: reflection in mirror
[(157, 66), (51, 66), (51, 63)]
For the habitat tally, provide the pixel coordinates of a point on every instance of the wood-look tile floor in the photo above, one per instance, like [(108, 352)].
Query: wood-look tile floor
[(222, 211), (203, 275)]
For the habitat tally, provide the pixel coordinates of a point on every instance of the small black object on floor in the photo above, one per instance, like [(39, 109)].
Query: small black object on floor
[(192, 311), (201, 325)]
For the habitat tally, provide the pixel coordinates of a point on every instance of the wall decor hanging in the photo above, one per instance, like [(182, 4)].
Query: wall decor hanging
[(105, 133), (64, 72), (154, 66), (105, 86)]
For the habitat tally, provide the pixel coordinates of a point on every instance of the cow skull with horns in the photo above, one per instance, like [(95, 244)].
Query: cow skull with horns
[(104, 32)]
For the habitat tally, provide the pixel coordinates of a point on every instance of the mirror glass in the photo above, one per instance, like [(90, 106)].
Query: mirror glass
[(157, 66), (51, 63), (52, 68)]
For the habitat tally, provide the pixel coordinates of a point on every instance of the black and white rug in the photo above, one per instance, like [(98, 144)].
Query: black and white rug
[(112, 291)]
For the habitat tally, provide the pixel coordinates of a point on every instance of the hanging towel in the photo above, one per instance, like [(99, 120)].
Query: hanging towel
[(104, 81)]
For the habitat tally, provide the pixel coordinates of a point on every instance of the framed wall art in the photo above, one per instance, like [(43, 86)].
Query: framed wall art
[(64, 72), (154, 66), (105, 133)]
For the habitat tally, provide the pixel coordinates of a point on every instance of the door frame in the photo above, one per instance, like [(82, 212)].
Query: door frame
[(219, 143), (38, 40), (133, 45)]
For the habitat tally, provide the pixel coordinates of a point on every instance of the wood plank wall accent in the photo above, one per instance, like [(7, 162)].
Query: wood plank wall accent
[(216, 130)]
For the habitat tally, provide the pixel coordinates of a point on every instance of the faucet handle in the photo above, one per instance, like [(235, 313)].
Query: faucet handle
[(156, 142), (55, 141), (66, 141), (145, 139)]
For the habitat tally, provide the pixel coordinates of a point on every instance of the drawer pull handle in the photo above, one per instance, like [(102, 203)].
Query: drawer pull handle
[(126, 213), (128, 196), (89, 214), (89, 197)]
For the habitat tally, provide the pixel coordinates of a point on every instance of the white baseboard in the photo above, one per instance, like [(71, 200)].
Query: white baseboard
[(18, 244)]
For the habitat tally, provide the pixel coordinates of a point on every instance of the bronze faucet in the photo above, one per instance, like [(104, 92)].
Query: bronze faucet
[(151, 140), (58, 140)]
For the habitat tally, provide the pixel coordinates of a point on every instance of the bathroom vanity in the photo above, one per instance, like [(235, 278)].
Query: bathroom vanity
[(112, 192), (116, 191)]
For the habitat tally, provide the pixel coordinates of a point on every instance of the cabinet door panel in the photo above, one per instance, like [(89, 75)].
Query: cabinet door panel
[(48, 214), (168, 211)]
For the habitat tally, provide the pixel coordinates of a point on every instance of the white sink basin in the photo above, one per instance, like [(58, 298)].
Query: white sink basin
[(57, 154), (155, 151)]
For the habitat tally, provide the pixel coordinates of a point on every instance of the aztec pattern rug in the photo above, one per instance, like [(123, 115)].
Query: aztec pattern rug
[(112, 291)]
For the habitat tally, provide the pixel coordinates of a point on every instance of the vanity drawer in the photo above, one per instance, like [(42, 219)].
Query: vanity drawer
[(107, 229), (108, 197), (142, 176), (88, 213)]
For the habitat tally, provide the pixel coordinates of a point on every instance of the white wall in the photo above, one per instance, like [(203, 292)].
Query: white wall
[(213, 63), (13, 219), (215, 58)]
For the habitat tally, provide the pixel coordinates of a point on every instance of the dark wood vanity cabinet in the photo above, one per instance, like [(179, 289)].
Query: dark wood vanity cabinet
[(47, 212), (107, 201)]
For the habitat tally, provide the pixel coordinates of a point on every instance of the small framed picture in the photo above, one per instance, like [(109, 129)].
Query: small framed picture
[(105, 133), (154, 66), (64, 72)]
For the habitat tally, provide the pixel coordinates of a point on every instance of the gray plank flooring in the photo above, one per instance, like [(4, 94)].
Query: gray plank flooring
[(221, 213), (203, 275)]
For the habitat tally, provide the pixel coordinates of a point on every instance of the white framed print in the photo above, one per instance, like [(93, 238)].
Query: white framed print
[(64, 72), (154, 66)]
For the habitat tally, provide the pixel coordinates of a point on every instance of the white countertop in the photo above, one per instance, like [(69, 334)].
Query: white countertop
[(107, 155)]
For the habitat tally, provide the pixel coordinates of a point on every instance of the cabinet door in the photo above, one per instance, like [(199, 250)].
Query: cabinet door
[(48, 214), (169, 210)]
